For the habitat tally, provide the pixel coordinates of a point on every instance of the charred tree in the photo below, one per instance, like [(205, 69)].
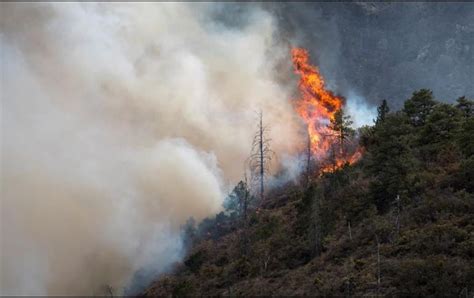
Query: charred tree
[(261, 156)]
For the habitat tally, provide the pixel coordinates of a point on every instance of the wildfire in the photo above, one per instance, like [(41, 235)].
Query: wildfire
[(317, 106)]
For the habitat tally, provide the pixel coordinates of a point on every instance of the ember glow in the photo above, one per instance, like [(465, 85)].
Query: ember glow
[(317, 106)]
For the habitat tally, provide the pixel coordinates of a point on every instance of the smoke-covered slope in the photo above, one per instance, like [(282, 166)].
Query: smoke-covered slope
[(120, 121), (400, 222)]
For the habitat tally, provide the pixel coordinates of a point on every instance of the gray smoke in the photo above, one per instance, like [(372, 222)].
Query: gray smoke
[(119, 122)]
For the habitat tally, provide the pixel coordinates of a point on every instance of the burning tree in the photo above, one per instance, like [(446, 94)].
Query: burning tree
[(261, 155), (322, 111), (341, 129)]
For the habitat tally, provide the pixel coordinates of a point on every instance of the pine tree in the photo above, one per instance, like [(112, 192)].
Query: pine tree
[(382, 112), (419, 106), (341, 128), (237, 203), (389, 159)]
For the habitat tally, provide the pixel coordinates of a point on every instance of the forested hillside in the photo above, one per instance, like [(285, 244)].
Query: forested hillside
[(398, 222)]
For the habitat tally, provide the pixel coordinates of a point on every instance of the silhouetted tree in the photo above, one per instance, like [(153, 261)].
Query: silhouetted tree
[(382, 111), (261, 155)]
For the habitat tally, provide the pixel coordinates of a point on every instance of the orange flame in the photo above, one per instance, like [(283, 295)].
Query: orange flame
[(317, 106), (340, 162)]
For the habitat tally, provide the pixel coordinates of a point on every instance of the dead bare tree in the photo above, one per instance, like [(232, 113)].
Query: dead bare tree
[(397, 201), (266, 259), (261, 155), (349, 228)]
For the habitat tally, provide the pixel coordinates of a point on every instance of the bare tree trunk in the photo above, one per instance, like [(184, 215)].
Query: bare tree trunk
[(349, 227), (265, 263), (398, 215), (260, 157)]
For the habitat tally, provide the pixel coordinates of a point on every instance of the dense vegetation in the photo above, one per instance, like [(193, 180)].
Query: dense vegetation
[(399, 222)]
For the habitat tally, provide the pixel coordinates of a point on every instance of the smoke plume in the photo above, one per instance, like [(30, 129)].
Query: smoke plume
[(118, 123)]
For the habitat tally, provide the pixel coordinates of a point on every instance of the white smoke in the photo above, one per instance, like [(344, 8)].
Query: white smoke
[(120, 121), (360, 111)]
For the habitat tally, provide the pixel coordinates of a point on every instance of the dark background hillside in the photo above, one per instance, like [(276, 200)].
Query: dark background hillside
[(379, 50), (399, 222)]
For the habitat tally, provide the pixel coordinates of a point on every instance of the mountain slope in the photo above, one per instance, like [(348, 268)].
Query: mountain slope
[(400, 222)]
